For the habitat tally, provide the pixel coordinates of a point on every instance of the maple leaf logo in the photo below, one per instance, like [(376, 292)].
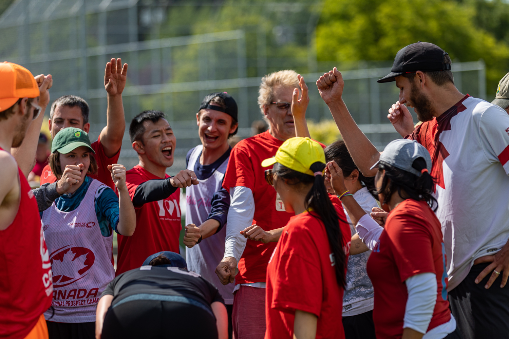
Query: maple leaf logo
[(70, 264)]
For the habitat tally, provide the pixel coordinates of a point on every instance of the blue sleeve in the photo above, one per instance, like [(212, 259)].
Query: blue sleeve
[(220, 206), (107, 211)]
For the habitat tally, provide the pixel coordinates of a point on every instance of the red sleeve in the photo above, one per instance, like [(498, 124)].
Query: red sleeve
[(240, 170), (299, 279), (411, 244), (47, 176), (103, 175), (415, 134)]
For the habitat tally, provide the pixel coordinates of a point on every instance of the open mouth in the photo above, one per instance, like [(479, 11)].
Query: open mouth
[(167, 151), (289, 122), (209, 138)]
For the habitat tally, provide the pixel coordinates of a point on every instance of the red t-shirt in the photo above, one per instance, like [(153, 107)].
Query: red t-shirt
[(103, 175), (245, 169), (301, 276), (157, 225), (410, 244), (26, 286)]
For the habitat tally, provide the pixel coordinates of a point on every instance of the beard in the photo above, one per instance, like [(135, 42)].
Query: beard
[(21, 131), (421, 104)]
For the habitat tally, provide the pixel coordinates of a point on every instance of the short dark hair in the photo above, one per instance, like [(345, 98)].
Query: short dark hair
[(54, 164), (160, 260), (71, 101), (440, 78), (219, 101), (5, 114), (136, 128), (338, 152)]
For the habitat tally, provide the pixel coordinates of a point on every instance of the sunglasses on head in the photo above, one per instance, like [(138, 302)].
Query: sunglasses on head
[(269, 177), (282, 105)]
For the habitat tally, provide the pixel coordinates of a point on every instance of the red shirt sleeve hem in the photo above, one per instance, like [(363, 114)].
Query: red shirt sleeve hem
[(292, 307)]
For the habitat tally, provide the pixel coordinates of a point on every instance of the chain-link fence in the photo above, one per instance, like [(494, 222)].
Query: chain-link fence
[(73, 40)]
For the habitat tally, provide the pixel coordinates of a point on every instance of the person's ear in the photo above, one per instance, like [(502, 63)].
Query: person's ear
[(420, 77), (234, 127), (138, 147), (86, 127), (354, 175), (198, 119), (265, 110), (23, 106)]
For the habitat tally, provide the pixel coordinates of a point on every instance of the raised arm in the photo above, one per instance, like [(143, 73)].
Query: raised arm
[(330, 86), (299, 107), (114, 82), (25, 154), (127, 215)]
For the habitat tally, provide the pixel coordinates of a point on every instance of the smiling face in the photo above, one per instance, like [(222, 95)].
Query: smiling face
[(280, 119), (157, 144), (78, 156), (412, 96), (66, 116), (214, 127)]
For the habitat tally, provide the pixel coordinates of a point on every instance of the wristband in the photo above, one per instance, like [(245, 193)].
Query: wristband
[(344, 193), (348, 194), (201, 237)]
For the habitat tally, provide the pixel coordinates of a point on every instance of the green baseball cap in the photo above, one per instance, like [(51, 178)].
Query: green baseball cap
[(70, 138)]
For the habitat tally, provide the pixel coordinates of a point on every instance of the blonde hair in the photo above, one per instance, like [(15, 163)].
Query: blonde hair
[(286, 78)]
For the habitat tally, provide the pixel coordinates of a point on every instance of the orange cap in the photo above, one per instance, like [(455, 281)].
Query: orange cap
[(15, 82)]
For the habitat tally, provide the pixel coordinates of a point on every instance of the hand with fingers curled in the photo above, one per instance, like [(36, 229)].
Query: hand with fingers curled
[(299, 106), (256, 233), (192, 236), (499, 267), (334, 175), (401, 119), (44, 82), (115, 77), (118, 174), (379, 215), (330, 86), (227, 270), (184, 178), (70, 177)]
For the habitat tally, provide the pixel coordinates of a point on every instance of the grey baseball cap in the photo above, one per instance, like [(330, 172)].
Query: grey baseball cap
[(401, 153), (502, 96)]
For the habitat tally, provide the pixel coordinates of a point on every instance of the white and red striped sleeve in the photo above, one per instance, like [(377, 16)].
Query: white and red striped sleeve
[(494, 128)]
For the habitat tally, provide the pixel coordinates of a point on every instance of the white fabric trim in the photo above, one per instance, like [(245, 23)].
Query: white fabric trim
[(422, 297), (255, 285), (441, 331), (369, 231), (240, 216)]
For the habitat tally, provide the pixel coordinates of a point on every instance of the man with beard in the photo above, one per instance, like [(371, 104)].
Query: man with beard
[(26, 286), (468, 140)]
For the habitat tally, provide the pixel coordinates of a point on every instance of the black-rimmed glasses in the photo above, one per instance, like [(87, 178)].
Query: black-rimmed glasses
[(282, 105)]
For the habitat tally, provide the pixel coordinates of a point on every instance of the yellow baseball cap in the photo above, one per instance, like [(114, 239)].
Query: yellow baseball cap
[(298, 154)]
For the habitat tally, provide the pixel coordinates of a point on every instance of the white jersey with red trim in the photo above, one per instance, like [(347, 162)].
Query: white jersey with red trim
[(473, 142)]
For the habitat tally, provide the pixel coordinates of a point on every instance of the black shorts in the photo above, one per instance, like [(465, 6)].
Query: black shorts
[(158, 319), (359, 326), (480, 313), (71, 330)]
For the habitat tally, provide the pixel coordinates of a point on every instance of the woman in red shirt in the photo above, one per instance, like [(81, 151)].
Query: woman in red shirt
[(306, 274), (407, 263)]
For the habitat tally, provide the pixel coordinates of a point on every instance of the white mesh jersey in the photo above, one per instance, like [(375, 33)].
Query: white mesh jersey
[(80, 258), (469, 146)]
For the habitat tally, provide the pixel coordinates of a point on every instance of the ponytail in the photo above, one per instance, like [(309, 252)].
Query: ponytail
[(317, 201)]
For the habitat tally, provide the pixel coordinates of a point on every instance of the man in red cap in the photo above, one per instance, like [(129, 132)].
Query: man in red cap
[(25, 270)]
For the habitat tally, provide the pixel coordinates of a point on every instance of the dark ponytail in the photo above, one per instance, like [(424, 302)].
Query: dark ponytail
[(415, 187), (317, 200), (338, 152)]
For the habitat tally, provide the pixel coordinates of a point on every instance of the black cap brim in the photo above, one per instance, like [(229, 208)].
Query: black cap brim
[(390, 77)]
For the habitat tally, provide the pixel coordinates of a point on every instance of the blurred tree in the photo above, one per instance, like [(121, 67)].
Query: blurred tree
[(351, 30), (324, 131), (4, 4)]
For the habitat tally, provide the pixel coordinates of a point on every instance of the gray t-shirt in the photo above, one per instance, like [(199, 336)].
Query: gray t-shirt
[(359, 294)]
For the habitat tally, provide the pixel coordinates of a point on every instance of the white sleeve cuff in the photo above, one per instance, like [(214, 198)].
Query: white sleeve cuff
[(369, 231), (240, 216), (422, 297)]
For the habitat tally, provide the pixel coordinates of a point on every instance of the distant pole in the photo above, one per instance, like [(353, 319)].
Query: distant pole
[(242, 74)]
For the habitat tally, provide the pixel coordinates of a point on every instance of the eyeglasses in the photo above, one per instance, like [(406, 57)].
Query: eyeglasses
[(269, 177), (282, 105)]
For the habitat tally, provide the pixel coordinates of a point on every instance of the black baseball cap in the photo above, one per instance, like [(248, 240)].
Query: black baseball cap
[(420, 56), (231, 106)]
